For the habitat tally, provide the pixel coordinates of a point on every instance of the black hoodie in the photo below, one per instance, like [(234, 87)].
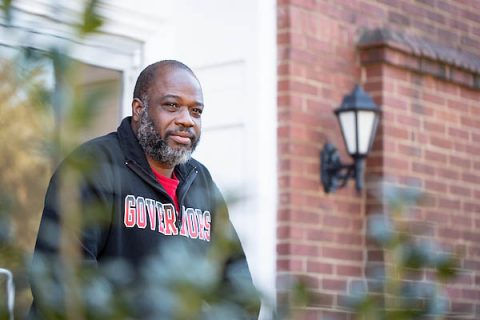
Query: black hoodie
[(126, 219)]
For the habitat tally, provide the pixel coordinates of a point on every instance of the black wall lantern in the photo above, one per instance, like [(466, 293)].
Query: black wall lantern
[(358, 118)]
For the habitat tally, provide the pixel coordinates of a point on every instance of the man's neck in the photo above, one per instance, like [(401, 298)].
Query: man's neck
[(160, 167)]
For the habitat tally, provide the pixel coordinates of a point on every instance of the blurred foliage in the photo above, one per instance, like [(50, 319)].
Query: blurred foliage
[(24, 168), (294, 295), (38, 126), (187, 285), (415, 270), (91, 21)]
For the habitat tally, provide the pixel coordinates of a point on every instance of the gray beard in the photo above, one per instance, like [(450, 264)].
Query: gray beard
[(157, 148)]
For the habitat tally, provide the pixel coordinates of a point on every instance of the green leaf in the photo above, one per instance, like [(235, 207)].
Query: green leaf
[(92, 21), (7, 10), (447, 266)]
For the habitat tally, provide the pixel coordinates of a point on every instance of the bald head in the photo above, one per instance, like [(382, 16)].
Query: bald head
[(147, 77)]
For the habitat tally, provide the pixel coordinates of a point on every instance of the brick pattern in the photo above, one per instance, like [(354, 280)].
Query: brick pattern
[(430, 128), (428, 138)]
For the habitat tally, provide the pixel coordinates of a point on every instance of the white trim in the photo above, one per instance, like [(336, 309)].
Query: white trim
[(263, 70), (10, 291)]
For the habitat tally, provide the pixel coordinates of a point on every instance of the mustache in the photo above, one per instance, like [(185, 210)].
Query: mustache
[(187, 132)]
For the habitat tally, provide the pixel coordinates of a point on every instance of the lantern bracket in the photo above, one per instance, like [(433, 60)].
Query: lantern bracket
[(335, 174)]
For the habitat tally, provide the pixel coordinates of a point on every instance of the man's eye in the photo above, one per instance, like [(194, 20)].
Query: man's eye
[(171, 106), (197, 111)]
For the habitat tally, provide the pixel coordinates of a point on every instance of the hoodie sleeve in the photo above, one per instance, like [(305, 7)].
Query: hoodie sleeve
[(73, 229)]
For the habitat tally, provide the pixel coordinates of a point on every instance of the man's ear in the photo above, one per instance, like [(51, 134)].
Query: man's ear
[(137, 109)]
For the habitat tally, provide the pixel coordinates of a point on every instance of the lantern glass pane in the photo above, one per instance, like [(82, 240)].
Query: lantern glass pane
[(366, 127), (347, 122)]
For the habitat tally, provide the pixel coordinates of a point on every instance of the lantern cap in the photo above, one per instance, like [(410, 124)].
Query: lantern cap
[(358, 99)]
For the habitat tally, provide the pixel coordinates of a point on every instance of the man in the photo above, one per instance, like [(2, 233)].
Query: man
[(151, 226)]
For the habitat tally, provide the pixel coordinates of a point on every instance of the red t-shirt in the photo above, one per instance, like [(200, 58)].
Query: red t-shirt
[(170, 185)]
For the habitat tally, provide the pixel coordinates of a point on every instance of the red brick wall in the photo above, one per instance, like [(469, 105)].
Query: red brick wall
[(430, 130), (429, 137)]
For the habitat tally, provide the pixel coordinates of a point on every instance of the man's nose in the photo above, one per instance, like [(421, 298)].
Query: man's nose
[(184, 117)]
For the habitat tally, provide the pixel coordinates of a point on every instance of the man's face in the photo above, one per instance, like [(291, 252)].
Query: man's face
[(169, 125)]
